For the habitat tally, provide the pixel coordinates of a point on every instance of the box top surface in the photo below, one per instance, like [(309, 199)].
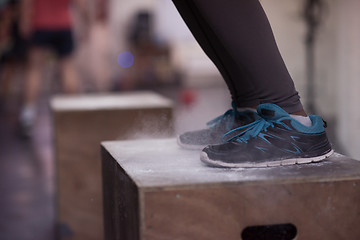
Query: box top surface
[(162, 163), (129, 100)]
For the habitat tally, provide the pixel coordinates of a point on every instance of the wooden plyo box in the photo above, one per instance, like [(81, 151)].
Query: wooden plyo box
[(81, 123), (155, 190)]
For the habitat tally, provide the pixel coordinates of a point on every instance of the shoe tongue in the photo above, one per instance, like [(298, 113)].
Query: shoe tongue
[(271, 111)]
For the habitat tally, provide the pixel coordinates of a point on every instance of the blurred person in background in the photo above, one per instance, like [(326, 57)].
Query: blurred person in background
[(12, 49), (95, 50), (48, 26)]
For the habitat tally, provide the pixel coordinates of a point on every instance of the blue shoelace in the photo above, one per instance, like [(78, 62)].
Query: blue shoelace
[(252, 130)]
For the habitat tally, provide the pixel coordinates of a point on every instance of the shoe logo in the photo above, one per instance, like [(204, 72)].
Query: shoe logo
[(296, 150), (264, 135), (290, 144)]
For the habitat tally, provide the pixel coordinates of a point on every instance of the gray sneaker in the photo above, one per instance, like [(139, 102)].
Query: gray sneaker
[(26, 121), (199, 139)]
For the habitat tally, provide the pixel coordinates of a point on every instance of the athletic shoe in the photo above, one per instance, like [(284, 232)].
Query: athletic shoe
[(216, 129), (275, 139), (26, 121)]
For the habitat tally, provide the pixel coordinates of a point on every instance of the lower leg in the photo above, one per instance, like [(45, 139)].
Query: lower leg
[(69, 76), (33, 76), (6, 78), (31, 91), (211, 44), (247, 50)]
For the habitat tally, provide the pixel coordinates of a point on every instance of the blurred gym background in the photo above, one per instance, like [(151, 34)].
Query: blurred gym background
[(134, 45)]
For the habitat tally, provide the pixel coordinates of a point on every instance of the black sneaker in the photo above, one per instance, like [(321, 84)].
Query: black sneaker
[(275, 139), (216, 129)]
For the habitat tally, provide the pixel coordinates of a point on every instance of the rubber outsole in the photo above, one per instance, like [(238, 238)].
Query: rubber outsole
[(285, 162)]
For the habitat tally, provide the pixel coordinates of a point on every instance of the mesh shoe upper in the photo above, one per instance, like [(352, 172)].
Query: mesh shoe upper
[(216, 129)]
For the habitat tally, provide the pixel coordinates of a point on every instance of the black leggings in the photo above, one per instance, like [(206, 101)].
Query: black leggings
[(237, 37)]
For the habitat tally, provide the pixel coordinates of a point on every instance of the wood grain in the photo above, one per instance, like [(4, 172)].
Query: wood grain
[(178, 197)]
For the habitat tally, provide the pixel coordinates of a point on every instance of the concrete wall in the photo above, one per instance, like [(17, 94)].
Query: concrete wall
[(348, 74)]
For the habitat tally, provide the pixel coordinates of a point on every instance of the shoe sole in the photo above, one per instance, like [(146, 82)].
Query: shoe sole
[(189, 146), (286, 162)]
